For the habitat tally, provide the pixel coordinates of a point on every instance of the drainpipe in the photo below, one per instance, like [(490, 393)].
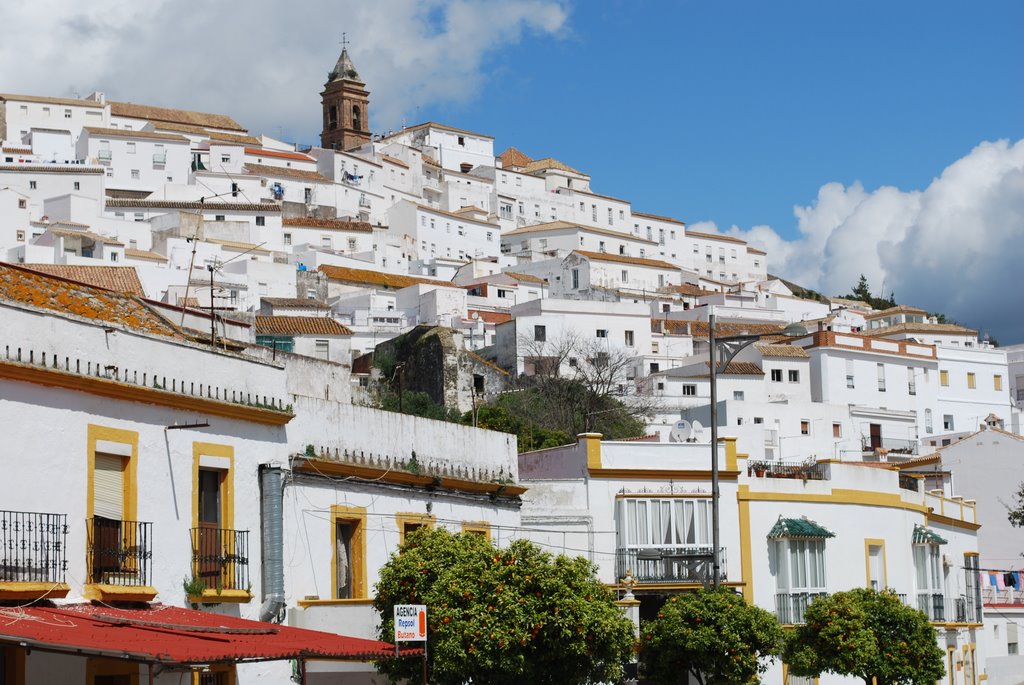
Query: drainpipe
[(272, 543)]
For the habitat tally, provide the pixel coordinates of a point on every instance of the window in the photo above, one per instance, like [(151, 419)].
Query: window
[(113, 256), (593, 213), (997, 383), (352, 244), (131, 148), (325, 241), (805, 427), (800, 575), (837, 430), (540, 333), (111, 503), (629, 338), (794, 376), (875, 552), (737, 395), (928, 571), (225, 159), (881, 377), (76, 185), (67, 114), (287, 237), (971, 381), (490, 236), (927, 420), (776, 375), (20, 236), (652, 523), (947, 422), (911, 381), (849, 373), (109, 172), (602, 332), (135, 174), (601, 247), (218, 217), (689, 390), (610, 216), (322, 349), (758, 419), (139, 216), (944, 378), (31, 185), (654, 347), (625, 276), (261, 221), (307, 194), (22, 204), (348, 562)]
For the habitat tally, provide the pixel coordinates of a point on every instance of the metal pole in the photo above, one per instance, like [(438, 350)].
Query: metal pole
[(424, 662), (213, 322), (715, 534)]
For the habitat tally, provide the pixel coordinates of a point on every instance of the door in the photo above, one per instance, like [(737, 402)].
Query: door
[(108, 514), (211, 536), (876, 435)]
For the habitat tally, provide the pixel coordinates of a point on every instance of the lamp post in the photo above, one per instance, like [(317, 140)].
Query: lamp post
[(731, 346)]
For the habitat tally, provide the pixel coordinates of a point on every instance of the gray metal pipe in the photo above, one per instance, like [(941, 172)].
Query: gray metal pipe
[(272, 543)]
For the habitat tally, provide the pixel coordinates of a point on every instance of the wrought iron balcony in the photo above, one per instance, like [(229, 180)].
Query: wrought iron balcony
[(119, 552), (668, 564), (159, 158), (893, 446), (941, 609), (104, 154), (790, 607), (220, 558), (33, 547)]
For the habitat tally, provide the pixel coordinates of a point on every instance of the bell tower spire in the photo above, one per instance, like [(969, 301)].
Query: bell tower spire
[(346, 104)]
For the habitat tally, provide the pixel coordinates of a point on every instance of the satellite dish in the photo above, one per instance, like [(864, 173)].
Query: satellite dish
[(697, 432), (680, 432)]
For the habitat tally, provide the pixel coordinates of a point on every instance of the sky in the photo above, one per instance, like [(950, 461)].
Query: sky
[(882, 138)]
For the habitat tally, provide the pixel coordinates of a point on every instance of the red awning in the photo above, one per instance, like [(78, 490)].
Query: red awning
[(170, 635)]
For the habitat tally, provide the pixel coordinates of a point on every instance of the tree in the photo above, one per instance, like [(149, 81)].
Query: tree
[(713, 635), (868, 635), (503, 616), (1016, 513), (861, 291)]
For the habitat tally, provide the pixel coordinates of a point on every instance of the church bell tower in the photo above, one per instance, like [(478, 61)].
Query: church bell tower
[(346, 104)]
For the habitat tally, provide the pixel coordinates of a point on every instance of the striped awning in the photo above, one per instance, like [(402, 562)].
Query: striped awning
[(927, 536), (798, 528)]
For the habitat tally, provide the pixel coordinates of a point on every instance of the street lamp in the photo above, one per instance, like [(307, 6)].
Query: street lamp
[(730, 346)]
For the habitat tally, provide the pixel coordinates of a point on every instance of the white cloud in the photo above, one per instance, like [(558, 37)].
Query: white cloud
[(264, 63), (956, 247)]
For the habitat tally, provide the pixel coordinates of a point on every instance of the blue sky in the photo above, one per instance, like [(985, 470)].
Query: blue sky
[(734, 112)]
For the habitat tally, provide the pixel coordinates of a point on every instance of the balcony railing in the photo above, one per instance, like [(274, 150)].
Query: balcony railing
[(779, 469), (104, 155), (159, 158), (892, 445), (119, 552), (941, 609), (790, 607), (33, 547), (677, 564), (220, 558)]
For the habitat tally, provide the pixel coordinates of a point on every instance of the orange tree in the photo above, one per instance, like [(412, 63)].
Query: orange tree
[(713, 635), (868, 635), (502, 615)]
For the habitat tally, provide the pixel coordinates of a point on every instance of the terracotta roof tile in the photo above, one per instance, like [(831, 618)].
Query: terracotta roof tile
[(148, 255), (122, 279), (257, 207), (278, 154), (75, 102), (441, 127), (513, 158), (299, 325), (525, 278), (926, 328), (715, 236), (770, 350), (658, 217), (174, 116), (126, 133), (488, 316), (394, 160), (892, 311), (294, 303), (329, 224), (53, 168), (79, 233), (699, 329), (623, 259), (688, 289), (212, 135), (65, 296), (286, 172), (378, 278), (549, 163), (754, 250), (732, 369), (563, 225)]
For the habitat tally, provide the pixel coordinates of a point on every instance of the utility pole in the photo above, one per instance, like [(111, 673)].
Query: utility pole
[(213, 321)]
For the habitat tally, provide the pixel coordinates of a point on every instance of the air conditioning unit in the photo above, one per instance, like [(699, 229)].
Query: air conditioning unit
[(947, 561)]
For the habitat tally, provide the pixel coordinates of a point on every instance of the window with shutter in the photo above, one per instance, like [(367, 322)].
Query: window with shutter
[(108, 487)]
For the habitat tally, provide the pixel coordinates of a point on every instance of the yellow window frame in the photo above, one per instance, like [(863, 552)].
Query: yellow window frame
[(407, 518), (477, 528), (341, 513), (868, 544)]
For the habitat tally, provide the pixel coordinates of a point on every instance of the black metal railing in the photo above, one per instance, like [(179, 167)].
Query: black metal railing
[(790, 607), (779, 469), (932, 605), (220, 558), (892, 445), (33, 547), (119, 552), (680, 564)]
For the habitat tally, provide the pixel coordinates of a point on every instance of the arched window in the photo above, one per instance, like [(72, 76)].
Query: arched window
[(357, 118), (332, 117)]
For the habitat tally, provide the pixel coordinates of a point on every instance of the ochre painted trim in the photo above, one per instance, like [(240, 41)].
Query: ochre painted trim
[(333, 468), (127, 437), (227, 499), (662, 474), (404, 518), (479, 527), (868, 544), (592, 444), (730, 453), (23, 590), (104, 592), (947, 521), (140, 393), (746, 546), (356, 516), (972, 554), (950, 651), (226, 669), (837, 496), (361, 601), (211, 596)]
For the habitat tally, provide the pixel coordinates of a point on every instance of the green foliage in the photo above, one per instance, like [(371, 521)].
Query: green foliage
[(193, 586), (714, 635), (862, 292), (868, 635), (1016, 513), (417, 404), (502, 616), (554, 412)]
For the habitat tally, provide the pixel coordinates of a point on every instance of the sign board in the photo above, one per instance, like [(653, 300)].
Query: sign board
[(410, 623)]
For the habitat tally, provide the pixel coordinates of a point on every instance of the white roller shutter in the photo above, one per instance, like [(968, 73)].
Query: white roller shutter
[(108, 487)]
